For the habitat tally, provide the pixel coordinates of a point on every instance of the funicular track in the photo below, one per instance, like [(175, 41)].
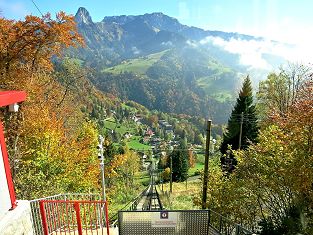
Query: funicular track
[(150, 200)]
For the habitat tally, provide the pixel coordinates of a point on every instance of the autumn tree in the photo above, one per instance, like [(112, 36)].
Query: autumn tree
[(120, 175), (191, 158), (72, 77), (280, 90), (31, 44), (272, 183), (52, 145)]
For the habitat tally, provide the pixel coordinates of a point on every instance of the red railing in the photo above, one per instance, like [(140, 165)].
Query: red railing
[(74, 217)]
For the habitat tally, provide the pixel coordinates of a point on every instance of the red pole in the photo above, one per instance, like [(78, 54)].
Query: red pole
[(85, 218), (7, 168), (7, 98), (95, 214), (53, 214), (43, 217), (79, 222), (107, 217)]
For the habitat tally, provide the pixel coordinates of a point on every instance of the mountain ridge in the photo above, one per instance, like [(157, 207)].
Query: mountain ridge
[(190, 78), (174, 26)]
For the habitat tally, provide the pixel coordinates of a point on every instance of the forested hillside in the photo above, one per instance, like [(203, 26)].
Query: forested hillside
[(173, 81), (52, 139), (156, 61)]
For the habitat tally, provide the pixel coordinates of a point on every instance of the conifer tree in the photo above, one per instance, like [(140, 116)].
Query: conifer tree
[(243, 113), (180, 163)]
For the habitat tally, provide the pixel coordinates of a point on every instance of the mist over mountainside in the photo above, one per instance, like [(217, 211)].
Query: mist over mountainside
[(164, 65)]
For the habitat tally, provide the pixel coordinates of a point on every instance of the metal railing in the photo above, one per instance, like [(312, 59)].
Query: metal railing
[(225, 226), (131, 206), (35, 210), (218, 223), (69, 217)]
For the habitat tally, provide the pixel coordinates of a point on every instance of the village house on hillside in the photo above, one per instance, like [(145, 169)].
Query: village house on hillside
[(168, 128)]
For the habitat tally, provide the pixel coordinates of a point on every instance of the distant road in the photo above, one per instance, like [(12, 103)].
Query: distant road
[(194, 178)]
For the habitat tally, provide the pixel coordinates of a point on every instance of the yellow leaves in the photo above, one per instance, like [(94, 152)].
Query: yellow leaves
[(34, 41), (166, 173), (56, 144), (65, 153), (127, 163)]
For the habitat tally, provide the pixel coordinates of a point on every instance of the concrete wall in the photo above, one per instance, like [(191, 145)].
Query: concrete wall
[(5, 204), (17, 221)]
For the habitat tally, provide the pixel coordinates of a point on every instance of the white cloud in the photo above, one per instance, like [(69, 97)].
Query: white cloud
[(192, 43), (168, 43), (136, 51), (251, 52)]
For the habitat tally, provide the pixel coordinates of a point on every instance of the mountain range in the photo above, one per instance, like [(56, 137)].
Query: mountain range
[(162, 64)]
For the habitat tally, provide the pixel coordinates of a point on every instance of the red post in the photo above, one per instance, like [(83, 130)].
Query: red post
[(43, 217), (7, 168), (7, 98), (79, 221), (107, 217)]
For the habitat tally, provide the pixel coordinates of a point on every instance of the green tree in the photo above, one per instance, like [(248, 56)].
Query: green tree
[(199, 139), (244, 111), (180, 162)]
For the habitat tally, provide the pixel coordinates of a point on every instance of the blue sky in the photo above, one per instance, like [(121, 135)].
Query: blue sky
[(288, 21), (276, 19)]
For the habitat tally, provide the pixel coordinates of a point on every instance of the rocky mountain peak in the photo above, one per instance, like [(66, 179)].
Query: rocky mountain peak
[(83, 17)]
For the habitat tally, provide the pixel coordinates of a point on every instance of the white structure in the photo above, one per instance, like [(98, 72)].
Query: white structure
[(5, 204), (13, 219)]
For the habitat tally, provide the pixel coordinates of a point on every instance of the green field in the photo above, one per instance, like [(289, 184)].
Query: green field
[(211, 86), (138, 66), (143, 177), (197, 168), (182, 196), (136, 145), (111, 124)]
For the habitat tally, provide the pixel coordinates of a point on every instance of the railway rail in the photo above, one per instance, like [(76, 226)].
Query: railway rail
[(151, 200)]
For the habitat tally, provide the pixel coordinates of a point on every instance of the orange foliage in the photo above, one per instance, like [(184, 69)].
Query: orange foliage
[(31, 43), (52, 146), (191, 158), (299, 120)]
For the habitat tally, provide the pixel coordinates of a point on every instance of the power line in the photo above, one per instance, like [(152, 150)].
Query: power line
[(37, 7)]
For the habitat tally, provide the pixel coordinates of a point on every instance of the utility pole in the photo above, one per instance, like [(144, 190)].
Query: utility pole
[(171, 166), (206, 164), (162, 180), (240, 133), (100, 156), (171, 179)]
